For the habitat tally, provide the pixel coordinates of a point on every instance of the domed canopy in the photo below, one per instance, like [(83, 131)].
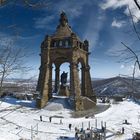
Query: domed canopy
[(63, 29)]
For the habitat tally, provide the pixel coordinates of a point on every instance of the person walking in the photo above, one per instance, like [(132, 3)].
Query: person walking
[(70, 126), (76, 135), (41, 118), (122, 130), (50, 119), (61, 121)]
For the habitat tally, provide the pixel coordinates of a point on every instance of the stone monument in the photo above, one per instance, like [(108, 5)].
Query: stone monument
[(65, 46)]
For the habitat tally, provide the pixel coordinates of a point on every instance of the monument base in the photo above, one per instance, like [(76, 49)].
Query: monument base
[(63, 91), (83, 103)]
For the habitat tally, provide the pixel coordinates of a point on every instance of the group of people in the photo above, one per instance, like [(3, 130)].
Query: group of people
[(50, 119), (80, 133)]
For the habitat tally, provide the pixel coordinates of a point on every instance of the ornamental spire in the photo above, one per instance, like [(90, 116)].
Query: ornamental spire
[(63, 19)]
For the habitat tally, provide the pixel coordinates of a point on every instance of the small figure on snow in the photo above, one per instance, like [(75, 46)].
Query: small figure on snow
[(50, 119), (103, 128), (61, 121), (76, 135), (41, 118), (122, 130), (70, 126)]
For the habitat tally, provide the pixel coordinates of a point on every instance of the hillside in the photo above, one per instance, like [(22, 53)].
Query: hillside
[(116, 86)]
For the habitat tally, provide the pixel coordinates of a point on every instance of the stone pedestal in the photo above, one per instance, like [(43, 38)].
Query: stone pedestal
[(84, 103), (63, 91)]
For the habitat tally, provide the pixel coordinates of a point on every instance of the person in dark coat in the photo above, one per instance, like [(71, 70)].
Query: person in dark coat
[(40, 118), (61, 121), (50, 119), (70, 126), (122, 130), (76, 135)]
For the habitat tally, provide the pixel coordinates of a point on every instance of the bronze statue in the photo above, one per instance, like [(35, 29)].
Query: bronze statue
[(64, 78)]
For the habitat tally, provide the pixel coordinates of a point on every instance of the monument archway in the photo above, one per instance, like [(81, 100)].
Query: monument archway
[(65, 46), (59, 70)]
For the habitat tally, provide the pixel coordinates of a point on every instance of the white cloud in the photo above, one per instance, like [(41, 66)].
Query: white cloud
[(71, 7), (115, 50), (94, 27), (114, 4), (42, 22), (122, 66), (127, 69), (118, 24), (130, 69)]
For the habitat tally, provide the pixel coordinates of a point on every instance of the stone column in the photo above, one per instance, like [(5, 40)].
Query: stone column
[(44, 95), (83, 81), (74, 80), (50, 81), (57, 78), (88, 87), (71, 82), (75, 87), (88, 84)]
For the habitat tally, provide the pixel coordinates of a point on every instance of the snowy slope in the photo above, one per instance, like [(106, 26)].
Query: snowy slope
[(16, 121), (116, 114), (116, 86)]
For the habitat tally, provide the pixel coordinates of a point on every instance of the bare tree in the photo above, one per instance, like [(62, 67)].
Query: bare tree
[(2, 2), (11, 62), (11, 58), (28, 3), (133, 55), (133, 23), (137, 4)]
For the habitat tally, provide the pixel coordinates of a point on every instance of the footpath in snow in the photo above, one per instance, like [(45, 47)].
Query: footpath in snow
[(17, 120)]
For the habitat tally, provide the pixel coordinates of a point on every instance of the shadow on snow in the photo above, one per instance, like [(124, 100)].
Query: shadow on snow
[(26, 103)]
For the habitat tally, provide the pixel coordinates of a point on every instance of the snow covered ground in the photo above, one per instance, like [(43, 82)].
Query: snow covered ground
[(16, 120)]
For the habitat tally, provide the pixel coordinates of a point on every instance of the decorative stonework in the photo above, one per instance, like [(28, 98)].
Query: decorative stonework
[(65, 46)]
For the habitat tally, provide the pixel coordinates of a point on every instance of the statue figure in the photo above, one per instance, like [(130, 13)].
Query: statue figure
[(64, 78), (63, 19)]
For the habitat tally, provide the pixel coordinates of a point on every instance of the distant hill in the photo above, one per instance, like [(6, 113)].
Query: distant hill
[(93, 79), (117, 86)]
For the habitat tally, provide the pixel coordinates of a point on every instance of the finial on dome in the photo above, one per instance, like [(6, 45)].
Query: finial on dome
[(63, 19)]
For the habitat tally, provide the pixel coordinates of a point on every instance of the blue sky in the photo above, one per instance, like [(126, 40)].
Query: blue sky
[(105, 23)]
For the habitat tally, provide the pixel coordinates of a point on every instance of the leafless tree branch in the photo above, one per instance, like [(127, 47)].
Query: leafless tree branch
[(133, 23), (137, 4), (134, 70), (26, 2), (134, 54), (11, 62), (136, 63)]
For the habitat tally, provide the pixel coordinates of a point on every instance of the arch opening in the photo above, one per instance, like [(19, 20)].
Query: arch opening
[(64, 67), (58, 70), (53, 78), (80, 75)]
